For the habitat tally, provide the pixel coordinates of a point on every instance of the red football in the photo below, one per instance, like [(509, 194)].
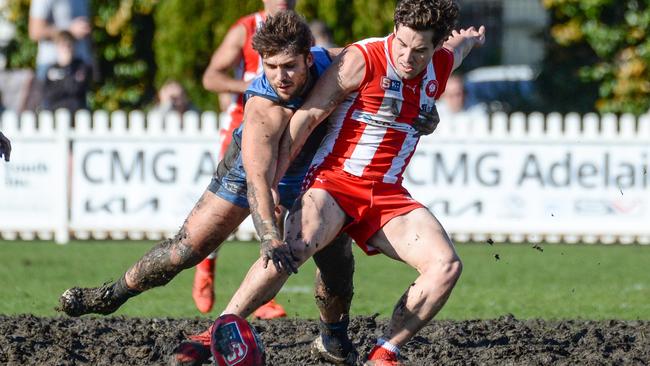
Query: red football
[(235, 342)]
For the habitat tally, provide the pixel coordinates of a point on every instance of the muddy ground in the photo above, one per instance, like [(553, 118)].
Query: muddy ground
[(30, 340)]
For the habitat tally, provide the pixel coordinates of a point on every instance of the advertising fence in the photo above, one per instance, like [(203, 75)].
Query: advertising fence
[(517, 178)]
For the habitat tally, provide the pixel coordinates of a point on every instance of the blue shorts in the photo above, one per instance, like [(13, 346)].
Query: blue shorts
[(229, 181)]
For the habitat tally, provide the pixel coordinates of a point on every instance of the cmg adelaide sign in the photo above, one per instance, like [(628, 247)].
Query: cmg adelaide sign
[(511, 187)]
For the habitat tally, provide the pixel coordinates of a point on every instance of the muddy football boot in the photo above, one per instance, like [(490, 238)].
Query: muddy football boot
[(203, 287), (102, 300), (194, 351), (334, 345), (382, 357)]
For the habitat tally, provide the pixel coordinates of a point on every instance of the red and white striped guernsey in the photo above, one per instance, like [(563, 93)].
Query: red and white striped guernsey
[(249, 67), (250, 64), (370, 134)]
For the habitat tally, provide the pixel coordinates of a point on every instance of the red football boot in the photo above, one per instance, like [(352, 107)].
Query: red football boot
[(270, 310), (382, 357), (193, 352)]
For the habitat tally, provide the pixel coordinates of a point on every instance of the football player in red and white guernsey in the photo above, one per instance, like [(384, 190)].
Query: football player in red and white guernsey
[(381, 95)]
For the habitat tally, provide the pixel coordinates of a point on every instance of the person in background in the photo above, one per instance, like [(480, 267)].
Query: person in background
[(47, 18), (322, 34), (172, 96), (234, 54), (66, 81), (453, 103), (453, 99), (5, 147)]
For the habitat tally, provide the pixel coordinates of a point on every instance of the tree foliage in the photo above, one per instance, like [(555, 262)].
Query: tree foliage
[(139, 44), (188, 32), (21, 51), (122, 37), (617, 35)]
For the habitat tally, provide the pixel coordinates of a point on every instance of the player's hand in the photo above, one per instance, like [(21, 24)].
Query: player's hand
[(5, 147), (426, 122), (279, 253), (476, 36)]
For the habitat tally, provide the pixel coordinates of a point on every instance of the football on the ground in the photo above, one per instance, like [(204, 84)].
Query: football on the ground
[(235, 342)]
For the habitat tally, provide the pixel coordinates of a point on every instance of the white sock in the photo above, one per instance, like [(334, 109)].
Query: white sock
[(381, 342)]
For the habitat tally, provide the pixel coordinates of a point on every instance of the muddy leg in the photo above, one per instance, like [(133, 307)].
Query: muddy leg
[(208, 225)]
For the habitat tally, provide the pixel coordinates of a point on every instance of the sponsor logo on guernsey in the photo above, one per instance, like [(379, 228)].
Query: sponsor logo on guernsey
[(431, 88), (389, 84)]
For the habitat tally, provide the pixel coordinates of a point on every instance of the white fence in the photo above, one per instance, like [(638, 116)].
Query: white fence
[(509, 178)]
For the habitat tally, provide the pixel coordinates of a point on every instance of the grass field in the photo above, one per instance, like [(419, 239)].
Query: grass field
[(556, 282)]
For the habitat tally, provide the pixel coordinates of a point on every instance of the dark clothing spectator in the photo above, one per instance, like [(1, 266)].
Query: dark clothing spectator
[(66, 86)]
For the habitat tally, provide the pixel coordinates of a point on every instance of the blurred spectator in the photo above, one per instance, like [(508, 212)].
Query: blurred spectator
[(49, 17), (453, 102), (172, 96), (322, 34), (67, 81), (5, 147)]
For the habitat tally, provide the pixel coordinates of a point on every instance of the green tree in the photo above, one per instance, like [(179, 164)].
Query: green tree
[(21, 51), (616, 35), (122, 38), (123, 35), (139, 44), (187, 33)]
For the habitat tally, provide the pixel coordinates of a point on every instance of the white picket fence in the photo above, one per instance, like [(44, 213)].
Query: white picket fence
[(520, 178)]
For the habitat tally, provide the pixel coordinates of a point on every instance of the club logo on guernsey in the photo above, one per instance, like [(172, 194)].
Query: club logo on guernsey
[(237, 348), (389, 84), (431, 88)]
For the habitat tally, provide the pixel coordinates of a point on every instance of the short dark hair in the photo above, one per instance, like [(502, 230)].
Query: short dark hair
[(440, 16), (64, 36), (286, 31)]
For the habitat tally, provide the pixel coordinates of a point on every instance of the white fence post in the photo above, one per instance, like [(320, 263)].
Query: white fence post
[(63, 120)]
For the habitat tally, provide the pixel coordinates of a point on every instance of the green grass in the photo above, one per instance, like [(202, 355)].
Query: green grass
[(562, 282)]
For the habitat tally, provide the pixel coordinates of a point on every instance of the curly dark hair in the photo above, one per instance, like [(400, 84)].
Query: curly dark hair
[(284, 32), (440, 16)]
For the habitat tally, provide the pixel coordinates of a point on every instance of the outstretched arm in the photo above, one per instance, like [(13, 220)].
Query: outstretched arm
[(342, 77), (5, 147), (216, 77), (264, 124), (463, 41)]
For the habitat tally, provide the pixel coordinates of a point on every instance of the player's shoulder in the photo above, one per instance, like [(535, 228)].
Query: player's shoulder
[(371, 43)]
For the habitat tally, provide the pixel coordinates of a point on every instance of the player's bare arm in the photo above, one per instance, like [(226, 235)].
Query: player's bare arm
[(263, 129), (463, 41), (216, 77), (344, 76), (5, 147)]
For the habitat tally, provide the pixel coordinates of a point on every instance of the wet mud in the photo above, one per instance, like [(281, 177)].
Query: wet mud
[(30, 340)]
